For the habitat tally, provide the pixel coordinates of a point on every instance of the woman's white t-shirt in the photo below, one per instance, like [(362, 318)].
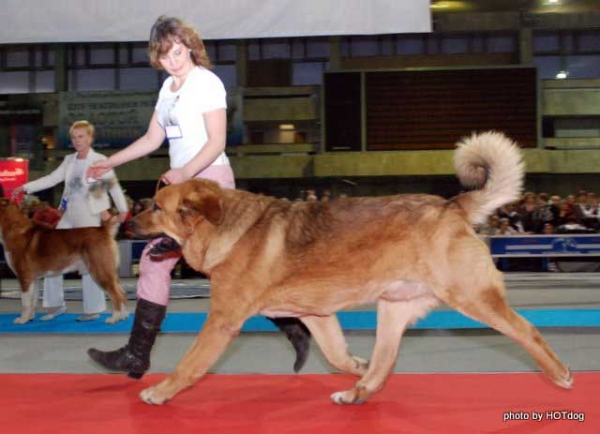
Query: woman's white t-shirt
[(181, 113)]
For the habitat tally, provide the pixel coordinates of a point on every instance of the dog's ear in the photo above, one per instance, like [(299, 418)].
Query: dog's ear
[(204, 203)]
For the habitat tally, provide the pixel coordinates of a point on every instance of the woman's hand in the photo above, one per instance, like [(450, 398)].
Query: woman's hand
[(17, 191), (174, 176), (98, 169)]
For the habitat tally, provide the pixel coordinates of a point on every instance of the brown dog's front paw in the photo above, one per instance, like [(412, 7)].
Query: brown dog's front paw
[(153, 396), (346, 397), (357, 395)]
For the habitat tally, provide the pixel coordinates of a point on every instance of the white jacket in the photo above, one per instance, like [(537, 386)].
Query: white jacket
[(64, 173)]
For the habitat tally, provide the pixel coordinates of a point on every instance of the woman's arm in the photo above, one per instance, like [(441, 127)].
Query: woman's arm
[(151, 141), (48, 181), (216, 128)]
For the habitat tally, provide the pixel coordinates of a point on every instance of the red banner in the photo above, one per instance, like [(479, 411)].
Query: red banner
[(14, 172)]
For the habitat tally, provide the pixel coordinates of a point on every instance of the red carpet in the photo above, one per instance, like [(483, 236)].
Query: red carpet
[(410, 403)]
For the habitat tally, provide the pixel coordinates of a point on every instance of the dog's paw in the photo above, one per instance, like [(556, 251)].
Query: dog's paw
[(357, 395), (152, 396), (346, 397), (121, 315), (115, 318), (112, 319), (566, 380), (22, 320)]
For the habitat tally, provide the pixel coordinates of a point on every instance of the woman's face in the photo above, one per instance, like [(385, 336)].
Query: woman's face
[(82, 141), (177, 61)]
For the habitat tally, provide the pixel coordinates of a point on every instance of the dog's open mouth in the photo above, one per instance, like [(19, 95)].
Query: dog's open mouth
[(164, 247)]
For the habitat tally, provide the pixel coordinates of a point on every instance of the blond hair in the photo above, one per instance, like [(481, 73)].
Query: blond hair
[(84, 125)]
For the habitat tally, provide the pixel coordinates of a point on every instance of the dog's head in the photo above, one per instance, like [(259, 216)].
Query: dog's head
[(11, 217), (179, 210)]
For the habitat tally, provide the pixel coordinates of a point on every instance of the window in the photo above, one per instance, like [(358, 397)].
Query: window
[(92, 79), (576, 52), (139, 79), (17, 57)]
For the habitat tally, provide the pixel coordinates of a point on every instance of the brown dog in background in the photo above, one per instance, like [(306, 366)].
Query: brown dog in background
[(310, 259), (33, 251)]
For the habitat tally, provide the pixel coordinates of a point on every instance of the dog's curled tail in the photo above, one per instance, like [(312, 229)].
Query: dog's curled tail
[(493, 166)]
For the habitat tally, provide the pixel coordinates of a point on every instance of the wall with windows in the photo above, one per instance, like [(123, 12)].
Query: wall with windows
[(124, 66), (281, 79)]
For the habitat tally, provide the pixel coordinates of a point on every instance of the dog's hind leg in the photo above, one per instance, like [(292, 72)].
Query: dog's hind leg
[(216, 334), (108, 279), (393, 317), (330, 338), (118, 299), (28, 301), (490, 307)]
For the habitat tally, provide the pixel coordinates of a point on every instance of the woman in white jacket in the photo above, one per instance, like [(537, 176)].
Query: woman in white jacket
[(83, 204)]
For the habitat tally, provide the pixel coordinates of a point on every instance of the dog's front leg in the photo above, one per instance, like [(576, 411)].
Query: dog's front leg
[(218, 331), (28, 302)]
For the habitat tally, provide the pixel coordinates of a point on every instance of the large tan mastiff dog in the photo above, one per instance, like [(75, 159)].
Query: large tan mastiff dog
[(408, 253)]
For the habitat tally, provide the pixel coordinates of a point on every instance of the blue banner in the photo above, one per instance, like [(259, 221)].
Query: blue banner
[(545, 245)]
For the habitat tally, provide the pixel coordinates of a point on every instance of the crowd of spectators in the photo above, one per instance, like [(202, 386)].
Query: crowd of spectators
[(540, 213), (533, 213)]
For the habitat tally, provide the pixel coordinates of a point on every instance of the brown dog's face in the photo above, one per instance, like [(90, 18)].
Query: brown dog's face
[(10, 217), (178, 209)]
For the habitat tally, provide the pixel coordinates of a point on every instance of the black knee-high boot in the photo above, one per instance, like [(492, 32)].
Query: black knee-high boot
[(134, 358)]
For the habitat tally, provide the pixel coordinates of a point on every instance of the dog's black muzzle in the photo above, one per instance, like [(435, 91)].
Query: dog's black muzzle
[(165, 246)]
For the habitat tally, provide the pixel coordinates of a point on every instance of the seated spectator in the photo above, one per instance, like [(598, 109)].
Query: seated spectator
[(510, 212), (545, 212), (554, 209), (529, 211), (572, 226), (548, 229), (590, 212), (567, 211), (491, 227), (505, 227)]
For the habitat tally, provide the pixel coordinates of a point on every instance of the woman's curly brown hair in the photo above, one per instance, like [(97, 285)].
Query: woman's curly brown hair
[(169, 30)]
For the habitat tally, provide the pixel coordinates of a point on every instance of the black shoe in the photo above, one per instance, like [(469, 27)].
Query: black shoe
[(298, 334), (134, 358)]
